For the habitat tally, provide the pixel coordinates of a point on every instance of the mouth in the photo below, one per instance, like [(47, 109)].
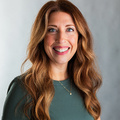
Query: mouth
[(61, 49)]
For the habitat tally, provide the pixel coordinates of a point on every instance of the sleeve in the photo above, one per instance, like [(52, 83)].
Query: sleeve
[(14, 103)]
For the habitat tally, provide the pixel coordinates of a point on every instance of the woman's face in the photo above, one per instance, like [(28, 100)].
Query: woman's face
[(60, 42)]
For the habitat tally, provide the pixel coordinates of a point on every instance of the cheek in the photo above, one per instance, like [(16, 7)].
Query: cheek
[(74, 41), (48, 40)]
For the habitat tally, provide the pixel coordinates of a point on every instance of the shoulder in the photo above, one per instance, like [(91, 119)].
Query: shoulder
[(15, 100), (16, 85)]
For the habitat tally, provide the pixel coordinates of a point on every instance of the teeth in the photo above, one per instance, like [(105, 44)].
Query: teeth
[(61, 49)]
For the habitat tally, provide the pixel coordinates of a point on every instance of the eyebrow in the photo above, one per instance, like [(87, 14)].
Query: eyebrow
[(65, 26), (70, 25), (52, 25)]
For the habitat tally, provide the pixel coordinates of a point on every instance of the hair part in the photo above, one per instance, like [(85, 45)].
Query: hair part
[(81, 68)]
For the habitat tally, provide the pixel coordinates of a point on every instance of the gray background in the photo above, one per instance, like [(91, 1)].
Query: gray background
[(103, 17)]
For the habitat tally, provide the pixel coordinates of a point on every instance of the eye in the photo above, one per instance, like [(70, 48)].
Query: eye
[(52, 30), (70, 29)]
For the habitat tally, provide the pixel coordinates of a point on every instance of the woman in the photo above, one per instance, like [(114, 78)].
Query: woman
[(62, 81)]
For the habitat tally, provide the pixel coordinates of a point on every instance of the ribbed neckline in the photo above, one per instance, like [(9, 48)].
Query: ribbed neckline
[(66, 81)]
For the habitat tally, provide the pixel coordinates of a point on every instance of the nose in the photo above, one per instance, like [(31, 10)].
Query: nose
[(61, 37)]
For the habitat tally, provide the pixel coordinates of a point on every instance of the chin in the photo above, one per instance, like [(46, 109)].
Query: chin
[(62, 61)]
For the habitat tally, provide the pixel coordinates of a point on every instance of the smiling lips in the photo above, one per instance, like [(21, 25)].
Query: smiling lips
[(61, 50)]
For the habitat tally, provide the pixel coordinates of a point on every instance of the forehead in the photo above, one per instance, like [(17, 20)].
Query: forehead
[(60, 17)]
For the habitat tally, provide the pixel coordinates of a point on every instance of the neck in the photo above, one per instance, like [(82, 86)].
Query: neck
[(58, 72)]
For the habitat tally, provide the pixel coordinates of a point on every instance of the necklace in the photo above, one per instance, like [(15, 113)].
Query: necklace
[(66, 88)]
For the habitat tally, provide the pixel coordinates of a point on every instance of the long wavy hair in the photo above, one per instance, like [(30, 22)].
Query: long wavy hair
[(81, 68)]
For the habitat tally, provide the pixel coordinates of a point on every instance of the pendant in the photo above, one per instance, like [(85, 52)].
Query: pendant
[(70, 93)]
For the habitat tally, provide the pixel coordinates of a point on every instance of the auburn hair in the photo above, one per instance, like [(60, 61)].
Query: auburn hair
[(81, 68)]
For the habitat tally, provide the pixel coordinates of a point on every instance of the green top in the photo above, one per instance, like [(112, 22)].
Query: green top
[(63, 106)]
